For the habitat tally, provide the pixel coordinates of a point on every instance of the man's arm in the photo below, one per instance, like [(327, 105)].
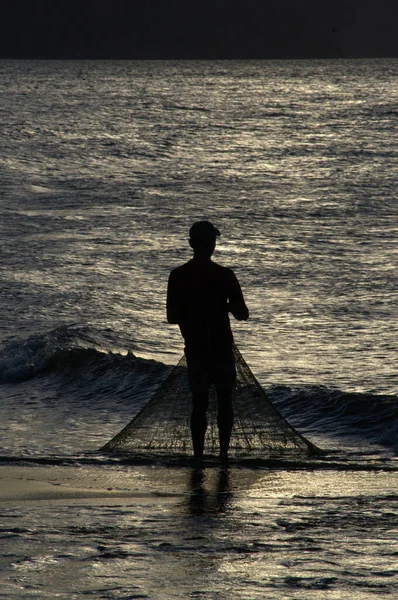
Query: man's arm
[(236, 304), (173, 303)]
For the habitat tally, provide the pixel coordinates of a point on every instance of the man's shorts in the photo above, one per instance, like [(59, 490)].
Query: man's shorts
[(217, 368)]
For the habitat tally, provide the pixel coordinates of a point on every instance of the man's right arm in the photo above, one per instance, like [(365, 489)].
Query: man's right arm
[(173, 303)]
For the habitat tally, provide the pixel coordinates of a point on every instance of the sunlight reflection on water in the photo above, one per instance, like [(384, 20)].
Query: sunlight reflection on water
[(182, 532), (293, 160)]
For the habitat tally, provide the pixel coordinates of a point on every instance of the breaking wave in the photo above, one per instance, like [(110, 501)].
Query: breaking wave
[(81, 362)]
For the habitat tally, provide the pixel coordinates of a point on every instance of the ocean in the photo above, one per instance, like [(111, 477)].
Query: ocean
[(104, 167)]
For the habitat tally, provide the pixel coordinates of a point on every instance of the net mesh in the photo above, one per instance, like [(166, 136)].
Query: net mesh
[(162, 426)]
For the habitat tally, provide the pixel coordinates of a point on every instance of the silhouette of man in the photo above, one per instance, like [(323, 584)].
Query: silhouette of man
[(200, 295)]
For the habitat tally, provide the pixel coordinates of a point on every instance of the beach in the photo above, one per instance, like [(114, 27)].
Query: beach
[(105, 166), (156, 532)]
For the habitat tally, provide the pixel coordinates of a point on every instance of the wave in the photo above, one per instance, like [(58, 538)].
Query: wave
[(64, 350), (318, 408), (80, 361)]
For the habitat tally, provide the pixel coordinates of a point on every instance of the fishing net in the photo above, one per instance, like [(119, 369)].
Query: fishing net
[(162, 427)]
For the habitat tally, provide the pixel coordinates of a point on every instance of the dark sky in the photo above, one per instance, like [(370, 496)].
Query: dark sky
[(199, 29)]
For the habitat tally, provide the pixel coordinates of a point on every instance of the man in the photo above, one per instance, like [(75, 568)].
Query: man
[(200, 295)]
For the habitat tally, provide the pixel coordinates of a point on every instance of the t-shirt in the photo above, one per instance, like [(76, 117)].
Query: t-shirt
[(199, 296)]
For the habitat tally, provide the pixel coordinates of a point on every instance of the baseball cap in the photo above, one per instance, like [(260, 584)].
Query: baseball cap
[(203, 231)]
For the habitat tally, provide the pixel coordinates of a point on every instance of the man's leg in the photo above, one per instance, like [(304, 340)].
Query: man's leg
[(225, 378), (199, 385), (200, 402), (225, 419)]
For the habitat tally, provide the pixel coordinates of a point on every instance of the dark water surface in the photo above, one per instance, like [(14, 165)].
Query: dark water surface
[(104, 167)]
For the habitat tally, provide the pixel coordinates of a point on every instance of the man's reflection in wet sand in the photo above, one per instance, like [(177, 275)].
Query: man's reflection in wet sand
[(203, 500)]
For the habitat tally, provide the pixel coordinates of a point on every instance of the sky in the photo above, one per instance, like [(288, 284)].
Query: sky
[(199, 29)]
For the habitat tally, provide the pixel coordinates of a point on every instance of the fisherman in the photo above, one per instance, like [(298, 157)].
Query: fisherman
[(200, 295)]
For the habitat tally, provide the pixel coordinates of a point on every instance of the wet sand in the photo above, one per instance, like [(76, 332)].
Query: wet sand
[(163, 533), (41, 484)]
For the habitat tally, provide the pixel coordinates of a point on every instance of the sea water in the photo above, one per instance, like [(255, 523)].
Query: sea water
[(104, 167)]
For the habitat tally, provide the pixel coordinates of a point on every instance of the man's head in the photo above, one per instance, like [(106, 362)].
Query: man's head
[(202, 238)]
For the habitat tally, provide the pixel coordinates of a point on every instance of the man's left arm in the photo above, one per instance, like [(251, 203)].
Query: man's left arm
[(236, 304)]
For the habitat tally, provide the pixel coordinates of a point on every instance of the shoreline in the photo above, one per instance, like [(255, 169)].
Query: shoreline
[(42, 484)]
